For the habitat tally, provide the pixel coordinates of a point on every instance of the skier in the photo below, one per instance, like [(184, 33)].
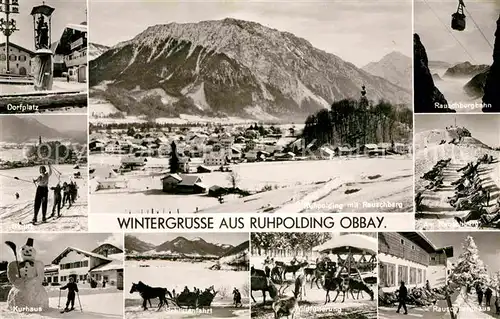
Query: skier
[(57, 200), (42, 192), (72, 290), (403, 294)]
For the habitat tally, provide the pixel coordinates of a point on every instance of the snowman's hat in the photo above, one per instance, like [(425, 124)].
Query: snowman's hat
[(29, 242)]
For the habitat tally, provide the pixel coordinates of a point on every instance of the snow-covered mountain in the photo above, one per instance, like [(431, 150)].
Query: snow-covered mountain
[(238, 255), (395, 67), (96, 50), (134, 244), (232, 67), (197, 246)]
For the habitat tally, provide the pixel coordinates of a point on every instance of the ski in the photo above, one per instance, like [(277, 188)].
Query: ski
[(39, 222), (67, 310)]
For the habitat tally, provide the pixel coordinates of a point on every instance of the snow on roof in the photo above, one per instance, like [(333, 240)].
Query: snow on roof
[(175, 176), (189, 180), (113, 265), (80, 251), (356, 241)]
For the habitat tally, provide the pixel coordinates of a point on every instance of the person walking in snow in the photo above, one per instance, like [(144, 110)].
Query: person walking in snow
[(487, 294), (72, 290), (403, 294), (479, 291)]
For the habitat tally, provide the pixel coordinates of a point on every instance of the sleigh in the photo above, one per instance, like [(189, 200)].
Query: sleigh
[(188, 300)]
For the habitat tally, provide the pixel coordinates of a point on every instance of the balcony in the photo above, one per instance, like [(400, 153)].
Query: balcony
[(75, 61)]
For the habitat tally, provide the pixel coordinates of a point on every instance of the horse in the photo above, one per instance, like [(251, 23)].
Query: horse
[(147, 293)]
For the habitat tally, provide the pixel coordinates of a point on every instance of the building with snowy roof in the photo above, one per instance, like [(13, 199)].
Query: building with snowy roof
[(103, 264), (72, 45), (411, 257)]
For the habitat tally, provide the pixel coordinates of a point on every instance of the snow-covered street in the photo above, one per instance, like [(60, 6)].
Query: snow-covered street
[(102, 305)]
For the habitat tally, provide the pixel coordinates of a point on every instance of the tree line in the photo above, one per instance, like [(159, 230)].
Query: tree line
[(359, 122)]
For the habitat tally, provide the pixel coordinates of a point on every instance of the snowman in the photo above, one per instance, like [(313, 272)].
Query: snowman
[(26, 278)]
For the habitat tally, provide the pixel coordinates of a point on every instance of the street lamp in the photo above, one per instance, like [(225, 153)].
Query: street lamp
[(7, 25)]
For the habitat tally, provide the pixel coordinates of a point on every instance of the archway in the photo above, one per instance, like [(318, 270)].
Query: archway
[(22, 71)]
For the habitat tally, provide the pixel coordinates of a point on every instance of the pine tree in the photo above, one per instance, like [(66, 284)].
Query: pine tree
[(469, 269)]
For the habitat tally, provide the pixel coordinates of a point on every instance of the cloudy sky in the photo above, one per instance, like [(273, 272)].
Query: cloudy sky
[(484, 127), (215, 238), (489, 253), (433, 24), (66, 12), (358, 31), (50, 245)]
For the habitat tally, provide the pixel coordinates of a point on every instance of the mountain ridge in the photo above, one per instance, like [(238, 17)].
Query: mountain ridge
[(180, 245), (15, 129), (234, 67)]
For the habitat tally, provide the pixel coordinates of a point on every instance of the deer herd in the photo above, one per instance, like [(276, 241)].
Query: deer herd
[(325, 274)]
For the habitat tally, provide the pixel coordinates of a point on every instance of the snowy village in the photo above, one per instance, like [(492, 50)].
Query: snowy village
[(249, 141), (42, 277)]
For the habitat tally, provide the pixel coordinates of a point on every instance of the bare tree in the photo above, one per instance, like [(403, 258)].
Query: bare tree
[(233, 178)]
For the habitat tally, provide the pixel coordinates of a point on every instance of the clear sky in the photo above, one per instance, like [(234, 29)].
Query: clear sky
[(50, 245), (484, 127), (66, 12), (61, 122), (487, 244), (430, 15), (214, 238), (358, 31)]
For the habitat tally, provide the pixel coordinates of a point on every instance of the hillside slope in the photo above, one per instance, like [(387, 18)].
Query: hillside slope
[(18, 129), (232, 67)]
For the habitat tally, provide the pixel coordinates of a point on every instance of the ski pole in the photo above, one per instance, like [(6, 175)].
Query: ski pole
[(78, 295), (59, 301)]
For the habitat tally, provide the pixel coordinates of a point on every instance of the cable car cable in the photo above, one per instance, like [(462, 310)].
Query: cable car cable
[(446, 27), (479, 29)]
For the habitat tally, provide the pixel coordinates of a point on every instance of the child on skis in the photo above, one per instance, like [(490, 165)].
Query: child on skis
[(72, 290)]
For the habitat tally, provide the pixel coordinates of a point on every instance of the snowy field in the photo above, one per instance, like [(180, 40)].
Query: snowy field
[(106, 304), (14, 211), (323, 183), (177, 275), (313, 303), (453, 90)]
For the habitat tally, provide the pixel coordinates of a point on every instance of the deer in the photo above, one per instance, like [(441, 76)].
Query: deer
[(285, 305), (264, 284)]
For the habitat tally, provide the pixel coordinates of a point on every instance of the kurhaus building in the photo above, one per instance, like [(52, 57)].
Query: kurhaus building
[(411, 257)]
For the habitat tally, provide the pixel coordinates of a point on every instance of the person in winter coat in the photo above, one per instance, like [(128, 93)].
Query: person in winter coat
[(403, 295), (57, 200), (480, 293), (72, 290), (487, 294), (237, 297)]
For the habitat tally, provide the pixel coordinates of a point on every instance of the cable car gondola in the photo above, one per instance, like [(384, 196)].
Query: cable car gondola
[(458, 18)]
